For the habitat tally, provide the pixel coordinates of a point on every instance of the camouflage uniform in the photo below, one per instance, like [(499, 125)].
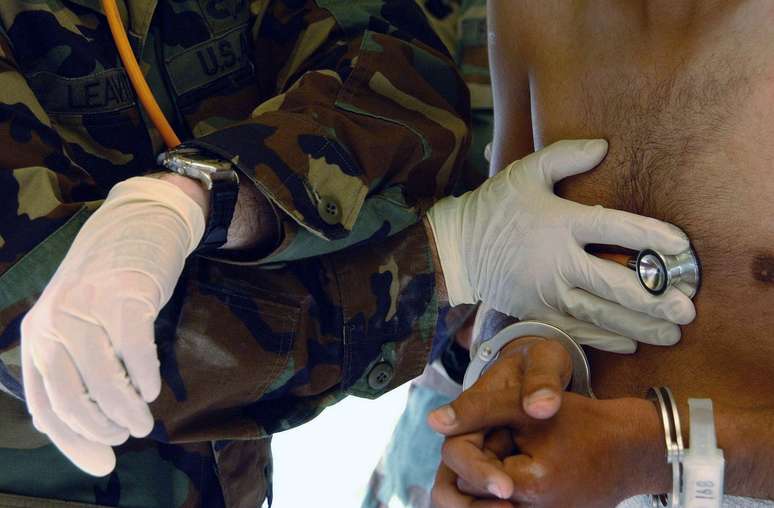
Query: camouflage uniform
[(348, 115), (405, 474)]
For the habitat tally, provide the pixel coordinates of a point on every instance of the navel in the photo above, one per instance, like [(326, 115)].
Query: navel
[(763, 268)]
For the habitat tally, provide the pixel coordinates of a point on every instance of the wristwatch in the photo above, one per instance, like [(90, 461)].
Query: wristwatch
[(219, 176)]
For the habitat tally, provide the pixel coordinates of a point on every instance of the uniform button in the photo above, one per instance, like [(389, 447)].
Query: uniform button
[(380, 376), (329, 210)]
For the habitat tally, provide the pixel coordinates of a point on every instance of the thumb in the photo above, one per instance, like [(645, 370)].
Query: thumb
[(568, 157), (479, 410)]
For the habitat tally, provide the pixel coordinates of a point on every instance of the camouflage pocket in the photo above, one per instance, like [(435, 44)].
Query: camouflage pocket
[(229, 346), (114, 145)]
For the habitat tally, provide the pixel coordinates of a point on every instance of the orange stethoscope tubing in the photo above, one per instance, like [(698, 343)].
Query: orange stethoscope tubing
[(135, 75)]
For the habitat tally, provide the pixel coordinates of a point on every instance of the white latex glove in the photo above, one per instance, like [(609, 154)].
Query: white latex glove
[(89, 361), (515, 245)]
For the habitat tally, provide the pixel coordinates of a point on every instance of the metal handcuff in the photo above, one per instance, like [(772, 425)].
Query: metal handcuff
[(656, 273), (488, 351)]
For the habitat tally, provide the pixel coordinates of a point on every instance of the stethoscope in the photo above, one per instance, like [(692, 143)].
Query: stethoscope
[(655, 271), (136, 77), (658, 272)]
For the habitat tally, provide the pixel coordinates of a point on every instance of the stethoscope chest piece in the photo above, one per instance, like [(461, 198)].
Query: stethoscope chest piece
[(656, 271)]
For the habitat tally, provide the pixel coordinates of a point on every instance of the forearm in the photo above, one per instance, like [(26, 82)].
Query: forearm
[(745, 436), (254, 224), (295, 338)]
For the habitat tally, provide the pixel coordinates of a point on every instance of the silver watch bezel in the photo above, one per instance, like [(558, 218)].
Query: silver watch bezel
[(195, 164)]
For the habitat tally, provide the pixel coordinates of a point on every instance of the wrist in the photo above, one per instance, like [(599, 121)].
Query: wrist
[(444, 222), (646, 449), (440, 281), (519, 346), (190, 187), (137, 196), (255, 224)]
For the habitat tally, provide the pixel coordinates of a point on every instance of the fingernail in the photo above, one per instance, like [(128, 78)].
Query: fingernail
[(542, 403), (495, 490), (670, 335), (596, 147), (445, 415), (687, 315), (677, 231)]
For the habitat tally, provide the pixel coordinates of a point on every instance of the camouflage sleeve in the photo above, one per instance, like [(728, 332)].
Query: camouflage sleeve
[(289, 342), (42, 193), (44, 200), (245, 351), (363, 133), (365, 127)]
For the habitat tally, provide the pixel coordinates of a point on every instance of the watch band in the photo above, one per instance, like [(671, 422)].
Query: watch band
[(223, 200)]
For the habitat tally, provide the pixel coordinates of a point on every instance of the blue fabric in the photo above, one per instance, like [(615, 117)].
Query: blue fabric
[(408, 467)]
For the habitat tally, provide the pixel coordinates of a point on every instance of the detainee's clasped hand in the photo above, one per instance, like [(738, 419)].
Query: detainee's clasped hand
[(515, 245), (514, 439), (89, 360)]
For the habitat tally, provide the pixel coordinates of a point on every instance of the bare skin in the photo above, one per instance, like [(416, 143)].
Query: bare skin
[(684, 93), (254, 224), (684, 96)]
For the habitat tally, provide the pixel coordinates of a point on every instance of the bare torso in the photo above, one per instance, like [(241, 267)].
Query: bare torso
[(685, 96)]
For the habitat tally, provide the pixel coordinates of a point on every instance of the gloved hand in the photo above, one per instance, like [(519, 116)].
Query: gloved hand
[(515, 245), (89, 361)]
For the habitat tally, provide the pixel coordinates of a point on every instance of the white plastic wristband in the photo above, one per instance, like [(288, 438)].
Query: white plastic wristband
[(703, 463)]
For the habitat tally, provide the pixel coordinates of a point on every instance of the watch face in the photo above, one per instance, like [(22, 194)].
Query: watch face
[(202, 167)]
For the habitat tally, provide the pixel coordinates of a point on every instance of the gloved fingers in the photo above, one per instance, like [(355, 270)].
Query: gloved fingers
[(93, 458), (568, 157), (589, 334), (104, 376), (615, 227), (131, 332), (616, 283), (69, 399), (620, 320)]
